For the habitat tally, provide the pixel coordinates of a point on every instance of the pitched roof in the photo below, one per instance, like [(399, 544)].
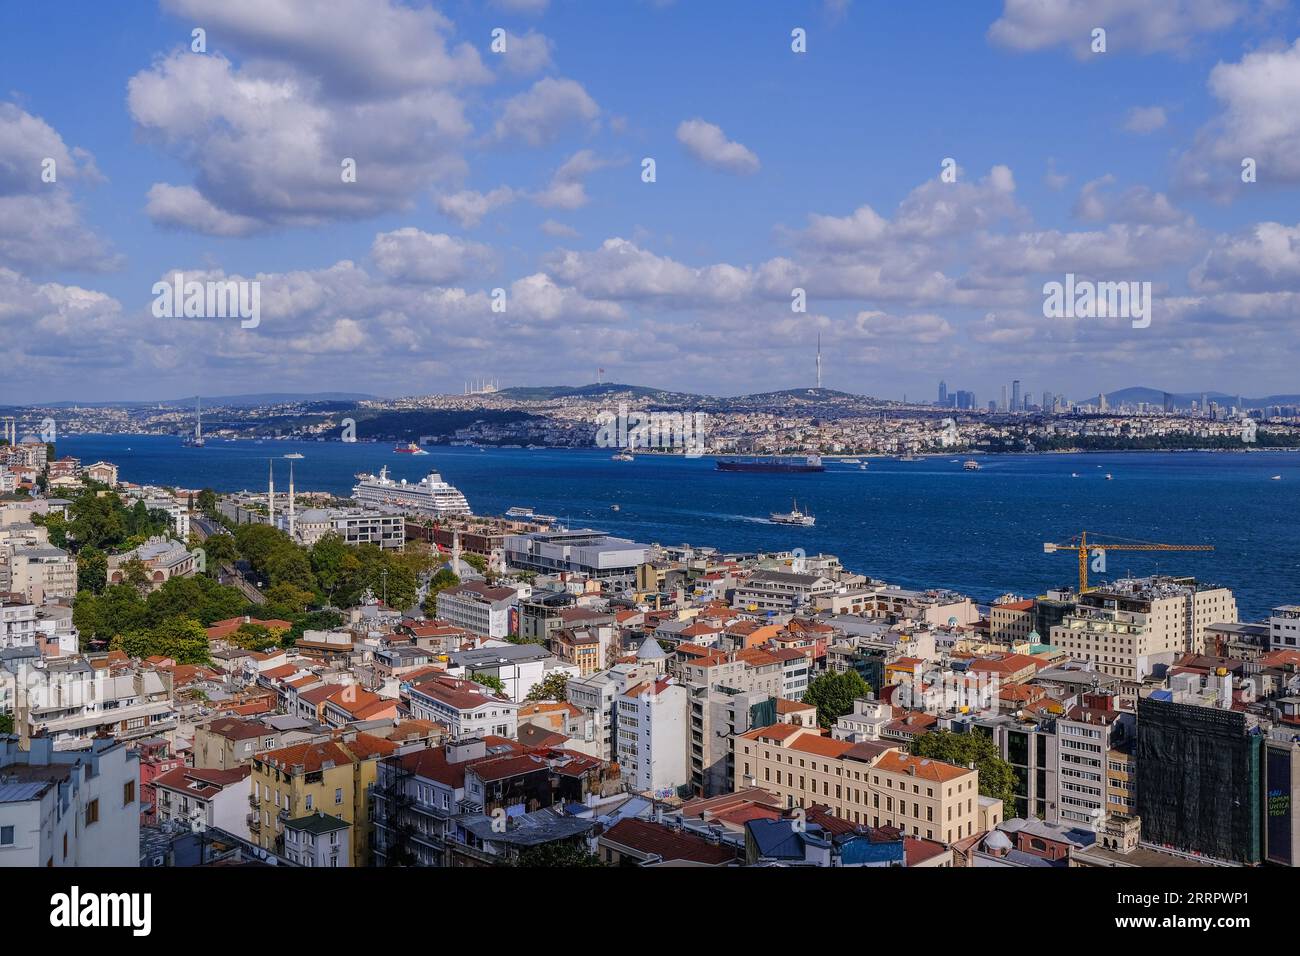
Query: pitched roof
[(659, 840)]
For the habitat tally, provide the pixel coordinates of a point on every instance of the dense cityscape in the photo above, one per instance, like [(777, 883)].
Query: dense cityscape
[(563, 444)]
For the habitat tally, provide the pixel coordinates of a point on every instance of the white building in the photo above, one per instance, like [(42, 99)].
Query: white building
[(203, 798), (519, 667), (354, 525), (71, 808), (478, 608), (17, 624), (650, 736), (465, 708), (1284, 628), (42, 573)]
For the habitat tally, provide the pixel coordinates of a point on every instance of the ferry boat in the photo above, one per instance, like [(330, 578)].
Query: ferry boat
[(773, 464), (428, 496), (793, 516), (293, 454), (851, 461), (971, 465), (410, 448)]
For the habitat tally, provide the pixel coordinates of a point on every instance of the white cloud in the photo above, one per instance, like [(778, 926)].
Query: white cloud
[(1145, 119), (707, 143), (1258, 119), (1148, 26), (412, 255), (567, 188), (527, 54), (468, 207), (541, 113)]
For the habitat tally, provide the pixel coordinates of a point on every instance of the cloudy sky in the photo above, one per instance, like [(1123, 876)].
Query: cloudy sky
[(523, 171)]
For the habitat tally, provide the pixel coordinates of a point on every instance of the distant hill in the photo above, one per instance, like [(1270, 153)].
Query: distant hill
[(261, 398)]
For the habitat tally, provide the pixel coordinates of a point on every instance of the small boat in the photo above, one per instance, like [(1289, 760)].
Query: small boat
[(908, 457), (971, 465), (410, 448), (851, 461), (862, 467), (614, 508), (793, 516), (1109, 476), (1276, 478), (1074, 474), (622, 456), (293, 454)]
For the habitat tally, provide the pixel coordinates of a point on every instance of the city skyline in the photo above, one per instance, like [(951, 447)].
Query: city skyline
[(523, 171)]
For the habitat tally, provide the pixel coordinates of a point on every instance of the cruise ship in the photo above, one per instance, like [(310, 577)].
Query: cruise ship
[(428, 496)]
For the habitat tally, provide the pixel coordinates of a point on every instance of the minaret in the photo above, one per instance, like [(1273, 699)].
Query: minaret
[(291, 522), (819, 360), (455, 553), (270, 491)]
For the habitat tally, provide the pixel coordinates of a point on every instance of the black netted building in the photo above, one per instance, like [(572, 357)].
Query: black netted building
[(1199, 779)]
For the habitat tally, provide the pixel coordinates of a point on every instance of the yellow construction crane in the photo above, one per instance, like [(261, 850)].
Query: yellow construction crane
[(1081, 544)]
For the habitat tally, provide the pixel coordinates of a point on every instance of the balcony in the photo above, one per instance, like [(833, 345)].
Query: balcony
[(254, 823)]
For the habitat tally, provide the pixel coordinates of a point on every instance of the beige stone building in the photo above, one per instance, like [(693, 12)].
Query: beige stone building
[(869, 783), (1128, 627)]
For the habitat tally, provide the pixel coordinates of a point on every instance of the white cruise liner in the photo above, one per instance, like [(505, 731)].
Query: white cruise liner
[(430, 495)]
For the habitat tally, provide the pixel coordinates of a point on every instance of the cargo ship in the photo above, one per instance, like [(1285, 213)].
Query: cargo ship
[(774, 464), (410, 448)]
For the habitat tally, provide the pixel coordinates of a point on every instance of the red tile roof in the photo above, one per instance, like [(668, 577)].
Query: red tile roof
[(659, 840)]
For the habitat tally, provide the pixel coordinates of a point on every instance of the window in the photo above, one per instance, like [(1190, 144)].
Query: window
[(128, 793), (338, 795), (308, 801), (6, 836), (92, 812)]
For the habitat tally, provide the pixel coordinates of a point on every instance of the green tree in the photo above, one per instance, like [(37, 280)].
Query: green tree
[(254, 637), (997, 777), (104, 616), (551, 855), (6, 723), (219, 548), (490, 681), (551, 687), (833, 695), (207, 501), (181, 639), (286, 600), (440, 581), (135, 573), (98, 521), (476, 561), (92, 570)]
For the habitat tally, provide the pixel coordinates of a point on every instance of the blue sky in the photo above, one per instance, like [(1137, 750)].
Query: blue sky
[(522, 171)]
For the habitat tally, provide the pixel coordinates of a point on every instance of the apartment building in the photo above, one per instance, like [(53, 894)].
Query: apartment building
[(41, 572), (1086, 736), (781, 591), (465, 708), (1284, 628), (333, 777), (1129, 627), (1012, 622), (69, 808), (867, 783), (650, 736), (70, 702), (519, 667), (201, 799), (478, 608), (318, 839), (596, 695), (17, 624)]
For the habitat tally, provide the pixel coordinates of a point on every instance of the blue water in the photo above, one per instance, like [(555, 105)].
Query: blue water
[(917, 524)]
